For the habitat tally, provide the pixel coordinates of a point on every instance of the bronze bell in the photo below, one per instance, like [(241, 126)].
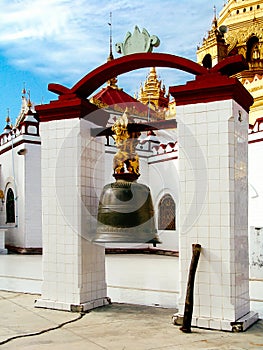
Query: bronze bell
[(125, 213)]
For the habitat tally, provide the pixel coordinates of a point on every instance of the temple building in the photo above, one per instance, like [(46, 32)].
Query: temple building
[(237, 30), (153, 93), (20, 180)]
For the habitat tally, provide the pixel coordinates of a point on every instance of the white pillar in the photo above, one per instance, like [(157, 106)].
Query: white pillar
[(73, 268), (213, 206), (3, 250)]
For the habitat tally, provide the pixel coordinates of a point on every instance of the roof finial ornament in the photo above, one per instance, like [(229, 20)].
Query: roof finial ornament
[(215, 19), (8, 127), (24, 88), (139, 41), (110, 58), (8, 116), (113, 81), (29, 103)]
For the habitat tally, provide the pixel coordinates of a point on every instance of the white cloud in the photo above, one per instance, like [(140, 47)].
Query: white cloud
[(33, 19), (65, 39)]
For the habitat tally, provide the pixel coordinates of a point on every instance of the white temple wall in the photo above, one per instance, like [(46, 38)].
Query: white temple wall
[(163, 179), (255, 221), (33, 213), (13, 176), (21, 172), (108, 169), (255, 171)]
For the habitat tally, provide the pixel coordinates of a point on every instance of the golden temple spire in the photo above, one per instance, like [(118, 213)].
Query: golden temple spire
[(153, 91)]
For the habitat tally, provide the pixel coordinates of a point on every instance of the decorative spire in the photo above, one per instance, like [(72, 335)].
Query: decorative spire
[(7, 117), (8, 127), (214, 23), (153, 91), (110, 58), (27, 107), (24, 88), (29, 103), (113, 81)]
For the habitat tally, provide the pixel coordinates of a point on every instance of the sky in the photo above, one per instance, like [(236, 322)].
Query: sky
[(60, 41)]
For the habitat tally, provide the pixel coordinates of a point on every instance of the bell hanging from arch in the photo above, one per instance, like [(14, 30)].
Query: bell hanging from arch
[(125, 213)]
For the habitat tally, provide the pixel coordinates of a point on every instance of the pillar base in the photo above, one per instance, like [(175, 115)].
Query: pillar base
[(239, 325), (82, 307), (3, 251)]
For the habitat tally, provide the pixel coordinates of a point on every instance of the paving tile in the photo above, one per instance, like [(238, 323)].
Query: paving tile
[(113, 327)]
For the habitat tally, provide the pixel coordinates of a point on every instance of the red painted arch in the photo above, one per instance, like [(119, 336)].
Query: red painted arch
[(96, 78), (93, 80)]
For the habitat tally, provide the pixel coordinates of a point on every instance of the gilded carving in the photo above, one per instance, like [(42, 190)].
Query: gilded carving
[(126, 159), (240, 36), (98, 103)]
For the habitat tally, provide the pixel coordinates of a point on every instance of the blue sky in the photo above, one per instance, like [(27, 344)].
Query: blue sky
[(60, 41)]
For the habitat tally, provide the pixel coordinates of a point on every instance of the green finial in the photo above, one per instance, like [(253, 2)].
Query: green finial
[(139, 41)]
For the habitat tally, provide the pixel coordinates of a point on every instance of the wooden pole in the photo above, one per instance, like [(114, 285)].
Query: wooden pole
[(189, 298)]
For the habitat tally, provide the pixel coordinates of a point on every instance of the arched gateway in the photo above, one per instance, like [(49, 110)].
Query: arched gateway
[(74, 101), (212, 209)]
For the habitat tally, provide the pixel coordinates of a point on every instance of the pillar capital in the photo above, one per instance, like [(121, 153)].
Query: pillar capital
[(209, 88), (70, 106)]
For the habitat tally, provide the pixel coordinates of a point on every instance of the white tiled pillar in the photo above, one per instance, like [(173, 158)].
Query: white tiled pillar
[(73, 268), (213, 212), (3, 250)]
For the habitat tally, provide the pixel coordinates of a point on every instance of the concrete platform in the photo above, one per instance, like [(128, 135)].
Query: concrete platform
[(113, 327), (152, 279)]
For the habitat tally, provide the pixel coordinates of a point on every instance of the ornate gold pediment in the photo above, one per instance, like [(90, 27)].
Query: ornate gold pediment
[(240, 36)]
